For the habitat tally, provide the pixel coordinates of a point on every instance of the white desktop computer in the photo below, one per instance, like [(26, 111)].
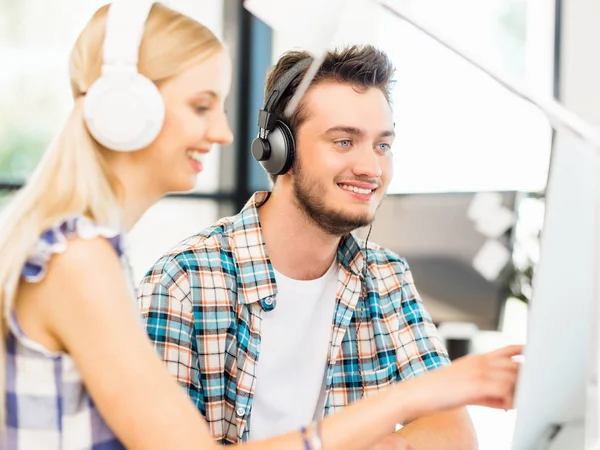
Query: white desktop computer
[(556, 392)]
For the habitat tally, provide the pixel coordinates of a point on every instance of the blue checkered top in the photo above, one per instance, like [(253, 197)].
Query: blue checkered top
[(48, 406)]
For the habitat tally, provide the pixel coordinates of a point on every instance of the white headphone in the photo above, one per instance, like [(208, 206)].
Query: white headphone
[(123, 109)]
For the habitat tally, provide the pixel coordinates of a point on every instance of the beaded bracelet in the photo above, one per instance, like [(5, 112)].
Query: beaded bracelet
[(312, 440), (305, 438)]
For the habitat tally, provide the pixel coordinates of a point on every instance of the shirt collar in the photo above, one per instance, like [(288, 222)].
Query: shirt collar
[(255, 271)]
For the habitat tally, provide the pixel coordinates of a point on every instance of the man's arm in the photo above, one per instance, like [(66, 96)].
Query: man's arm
[(164, 299), (420, 351)]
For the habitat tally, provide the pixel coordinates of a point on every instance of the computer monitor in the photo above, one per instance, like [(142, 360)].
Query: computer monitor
[(439, 241), (555, 390)]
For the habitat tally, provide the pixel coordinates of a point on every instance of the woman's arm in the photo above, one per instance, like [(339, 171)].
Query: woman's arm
[(87, 307)]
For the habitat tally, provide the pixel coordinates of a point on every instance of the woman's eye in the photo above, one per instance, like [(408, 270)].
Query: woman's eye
[(200, 109)]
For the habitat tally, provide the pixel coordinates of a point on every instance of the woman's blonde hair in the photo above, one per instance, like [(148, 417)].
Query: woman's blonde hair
[(73, 177)]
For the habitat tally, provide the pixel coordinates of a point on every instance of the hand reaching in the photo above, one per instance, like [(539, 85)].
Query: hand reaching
[(487, 379)]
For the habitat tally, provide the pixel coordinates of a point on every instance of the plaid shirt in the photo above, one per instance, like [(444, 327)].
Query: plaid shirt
[(203, 304), (47, 404)]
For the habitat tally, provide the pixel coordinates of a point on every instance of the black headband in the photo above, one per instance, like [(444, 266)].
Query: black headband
[(266, 119)]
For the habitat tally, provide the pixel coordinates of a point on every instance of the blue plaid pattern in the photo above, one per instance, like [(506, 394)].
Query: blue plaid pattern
[(47, 404), (203, 303)]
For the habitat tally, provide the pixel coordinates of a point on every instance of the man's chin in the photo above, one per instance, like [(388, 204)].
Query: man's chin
[(366, 216), (350, 222)]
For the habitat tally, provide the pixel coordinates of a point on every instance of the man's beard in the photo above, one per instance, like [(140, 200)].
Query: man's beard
[(309, 196)]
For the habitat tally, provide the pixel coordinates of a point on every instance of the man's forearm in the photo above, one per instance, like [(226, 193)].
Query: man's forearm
[(452, 430)]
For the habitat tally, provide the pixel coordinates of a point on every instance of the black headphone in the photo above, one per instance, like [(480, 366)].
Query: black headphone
[(274, 147)]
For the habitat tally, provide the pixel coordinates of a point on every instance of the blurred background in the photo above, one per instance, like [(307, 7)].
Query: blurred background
[(466, 206)]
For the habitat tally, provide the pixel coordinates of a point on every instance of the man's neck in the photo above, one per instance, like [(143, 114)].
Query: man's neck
[(296, 246)]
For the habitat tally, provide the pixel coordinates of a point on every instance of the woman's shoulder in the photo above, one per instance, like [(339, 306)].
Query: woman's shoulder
[(84, 239)]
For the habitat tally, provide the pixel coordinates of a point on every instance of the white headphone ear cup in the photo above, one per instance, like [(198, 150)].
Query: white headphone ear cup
[(124, 112)]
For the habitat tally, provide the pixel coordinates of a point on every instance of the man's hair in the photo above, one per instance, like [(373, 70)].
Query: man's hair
[(362, 66)]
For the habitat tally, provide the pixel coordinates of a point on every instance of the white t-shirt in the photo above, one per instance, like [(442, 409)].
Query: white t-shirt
[(293, 354)]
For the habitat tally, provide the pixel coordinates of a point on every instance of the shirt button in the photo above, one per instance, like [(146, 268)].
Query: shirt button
[(269, 301), (240, 412)]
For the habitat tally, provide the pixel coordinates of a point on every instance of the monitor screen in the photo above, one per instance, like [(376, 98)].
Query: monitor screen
[(558, 380)]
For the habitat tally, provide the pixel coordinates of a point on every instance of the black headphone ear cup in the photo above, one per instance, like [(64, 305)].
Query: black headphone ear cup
[(261, 149), (290, 146), (281, 158)]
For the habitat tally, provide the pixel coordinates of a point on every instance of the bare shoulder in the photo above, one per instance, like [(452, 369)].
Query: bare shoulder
[(80, 282), (86, 266), (83, 254)]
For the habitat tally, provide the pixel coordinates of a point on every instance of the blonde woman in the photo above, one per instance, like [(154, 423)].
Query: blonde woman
[(77, 368)]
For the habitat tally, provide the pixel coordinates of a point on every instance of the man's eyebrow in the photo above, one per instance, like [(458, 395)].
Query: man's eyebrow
[(356, 131), (345, 129)]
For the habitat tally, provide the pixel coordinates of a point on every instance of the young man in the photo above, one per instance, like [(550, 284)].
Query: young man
[(272, 318)]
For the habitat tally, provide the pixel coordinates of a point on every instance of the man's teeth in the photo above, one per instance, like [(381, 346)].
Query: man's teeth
[(196, 156), (356, 189)]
